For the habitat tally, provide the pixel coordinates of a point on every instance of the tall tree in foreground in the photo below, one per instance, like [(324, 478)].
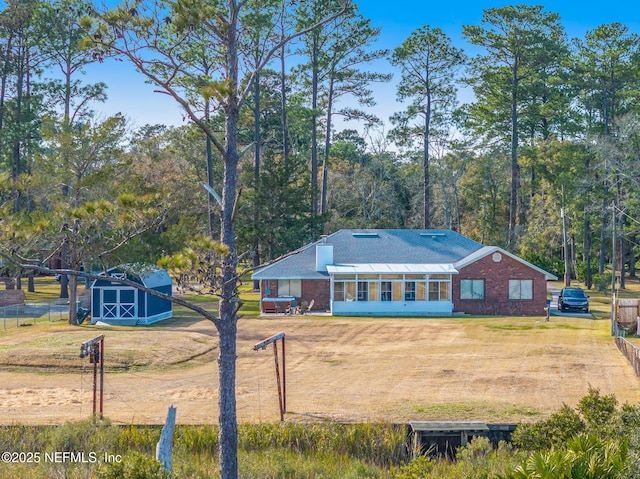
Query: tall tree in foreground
[(518, 40), (429, 64), (151, 34)]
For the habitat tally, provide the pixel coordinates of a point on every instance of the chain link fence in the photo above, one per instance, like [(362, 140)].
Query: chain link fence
[(32, 313)]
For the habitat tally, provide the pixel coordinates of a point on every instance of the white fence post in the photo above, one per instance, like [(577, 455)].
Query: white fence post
[(165, 444)]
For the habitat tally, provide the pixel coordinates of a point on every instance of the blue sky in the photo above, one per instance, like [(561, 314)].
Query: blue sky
[(397, 19)]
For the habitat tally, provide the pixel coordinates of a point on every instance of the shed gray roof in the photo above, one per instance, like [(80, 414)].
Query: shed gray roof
[(149, 276), (374, 246), (448, 426)]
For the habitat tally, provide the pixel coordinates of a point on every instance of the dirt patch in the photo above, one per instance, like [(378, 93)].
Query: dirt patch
[(494, 370)]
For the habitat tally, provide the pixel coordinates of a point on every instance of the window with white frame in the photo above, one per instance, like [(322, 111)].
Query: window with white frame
[(290, 287), (520, 289), (385, 291), (472, 289), (439, 287), (410, 291)]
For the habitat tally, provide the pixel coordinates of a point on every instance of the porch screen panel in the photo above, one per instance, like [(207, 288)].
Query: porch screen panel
[(363, 291), (350, 290), (385, 291), (397, 291), (374, 291)]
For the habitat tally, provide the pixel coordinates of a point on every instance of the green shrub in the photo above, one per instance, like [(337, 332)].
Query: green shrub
[(23, 438), (602, 282), (418, 468), (583, 456), (600, 413), (543, 435), (89, 435), (134, 465), (380, 444)]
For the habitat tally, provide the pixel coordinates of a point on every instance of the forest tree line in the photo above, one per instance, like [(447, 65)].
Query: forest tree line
[(553, 126)]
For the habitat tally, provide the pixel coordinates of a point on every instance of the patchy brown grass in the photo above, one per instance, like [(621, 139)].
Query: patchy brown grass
[(347, 369)]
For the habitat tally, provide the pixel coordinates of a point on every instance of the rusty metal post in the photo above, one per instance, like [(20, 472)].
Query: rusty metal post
[(282, 385), (284, 379), (95, 383), (94, 349), (275, 355), (101, 349)]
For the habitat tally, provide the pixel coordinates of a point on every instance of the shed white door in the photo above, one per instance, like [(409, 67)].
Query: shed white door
[(119, 303)]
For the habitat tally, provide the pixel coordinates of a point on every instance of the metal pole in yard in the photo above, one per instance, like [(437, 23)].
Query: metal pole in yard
[(101, 374), (613, 252), (284, 379), (275, 355)]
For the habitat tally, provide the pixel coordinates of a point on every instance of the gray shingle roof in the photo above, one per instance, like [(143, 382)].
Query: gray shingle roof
[(374, 246)]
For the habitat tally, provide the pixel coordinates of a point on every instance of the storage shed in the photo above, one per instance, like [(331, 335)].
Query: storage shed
[(118, 304), (443, 438)]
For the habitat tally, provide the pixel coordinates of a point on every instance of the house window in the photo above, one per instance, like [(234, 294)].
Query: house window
[(363, 291), (410, 291), (472, 289), (385, 291), (439, 287), (520, 289), (290, 287), (344, 287), (421, 291)]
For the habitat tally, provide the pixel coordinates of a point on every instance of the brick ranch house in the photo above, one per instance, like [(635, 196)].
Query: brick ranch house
[(403, 272)]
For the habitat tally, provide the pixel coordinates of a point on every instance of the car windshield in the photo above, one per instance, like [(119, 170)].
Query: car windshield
[(574, 293)]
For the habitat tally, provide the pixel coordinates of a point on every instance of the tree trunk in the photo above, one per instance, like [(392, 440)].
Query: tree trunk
[(73, 297), (5, 75), (211, 202), (31, 285), (283, 96), (16, 159), (588, 282), (327, 150), (426, 211), (228, 305), (256, 175), (515, 167), (314, 132), (605, 192)]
